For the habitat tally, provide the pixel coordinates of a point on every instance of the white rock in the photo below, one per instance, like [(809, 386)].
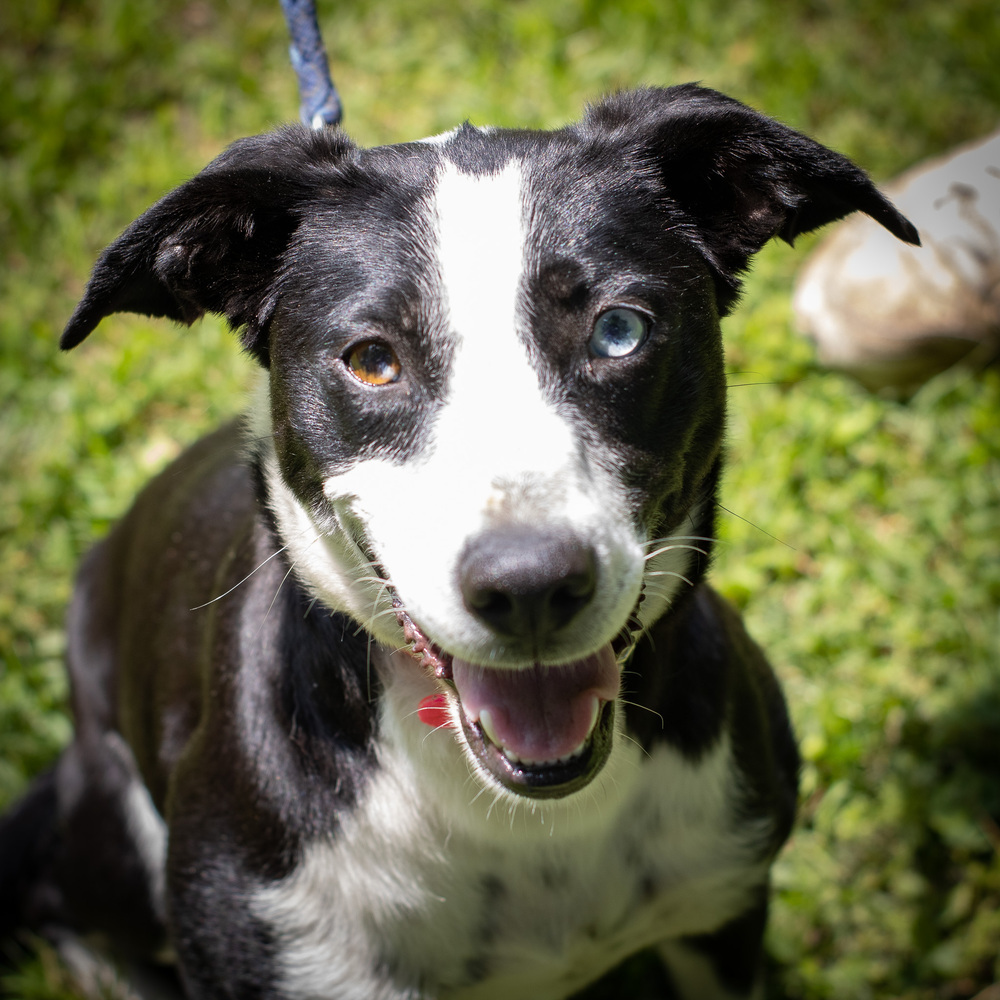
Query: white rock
[(894, 315)]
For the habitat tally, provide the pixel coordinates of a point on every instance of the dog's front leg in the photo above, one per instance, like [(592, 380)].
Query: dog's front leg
[(724, 965), (223, 950)]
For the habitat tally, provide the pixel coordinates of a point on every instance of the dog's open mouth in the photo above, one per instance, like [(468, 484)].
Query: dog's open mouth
[(541, 731)]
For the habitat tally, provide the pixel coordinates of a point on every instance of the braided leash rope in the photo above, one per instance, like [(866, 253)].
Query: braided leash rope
[(320, 105)]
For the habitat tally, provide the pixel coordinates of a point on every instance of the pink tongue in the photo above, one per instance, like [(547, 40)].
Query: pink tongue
[(538, 713)]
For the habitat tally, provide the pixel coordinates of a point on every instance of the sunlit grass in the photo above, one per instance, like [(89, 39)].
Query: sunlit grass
[(870, 570)]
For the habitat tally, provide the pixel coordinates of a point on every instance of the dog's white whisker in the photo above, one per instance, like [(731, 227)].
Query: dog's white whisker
[(481, 791), (670, 573), (497, 797), (671, 548), (631, 739), (372, 618), (658, 593), (740, 517), (434, 729), (236, 586), (284, 548), (274, 599), (368, 629), (668, 539), (384, 613), (645, 708)]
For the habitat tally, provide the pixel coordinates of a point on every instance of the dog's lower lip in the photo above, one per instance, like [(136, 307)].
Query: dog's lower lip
[(488, 730), (538, 712), (527, 763), (545, 779), (520, 770)]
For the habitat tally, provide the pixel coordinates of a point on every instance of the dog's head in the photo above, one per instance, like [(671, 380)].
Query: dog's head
[(496, 379)]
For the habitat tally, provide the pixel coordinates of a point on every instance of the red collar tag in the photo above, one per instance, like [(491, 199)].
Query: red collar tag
[(433, 710)]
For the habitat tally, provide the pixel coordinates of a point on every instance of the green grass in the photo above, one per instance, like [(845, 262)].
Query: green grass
[(870, 571)]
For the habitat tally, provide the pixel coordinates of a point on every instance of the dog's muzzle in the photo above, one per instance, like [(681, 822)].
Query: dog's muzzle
[(543, 730)]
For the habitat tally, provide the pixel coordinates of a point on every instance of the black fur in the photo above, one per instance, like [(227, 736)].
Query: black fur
[(205, 671)]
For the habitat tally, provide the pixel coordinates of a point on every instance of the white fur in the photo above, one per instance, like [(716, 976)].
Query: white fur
[(404, 875), (392, 906), (149, 834), (695, 977), (400, 885), (144, 826), (499, 452), (443, 138), (668, 564)]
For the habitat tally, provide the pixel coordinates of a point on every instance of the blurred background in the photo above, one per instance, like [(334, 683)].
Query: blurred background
[(861, 536)]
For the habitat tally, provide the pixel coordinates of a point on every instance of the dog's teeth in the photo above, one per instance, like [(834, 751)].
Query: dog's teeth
[(486, 724), (572, 755), (532, 762)]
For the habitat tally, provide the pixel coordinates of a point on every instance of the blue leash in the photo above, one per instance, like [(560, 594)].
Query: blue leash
[(320, 105)]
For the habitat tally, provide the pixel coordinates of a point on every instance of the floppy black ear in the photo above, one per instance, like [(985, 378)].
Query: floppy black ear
[(739, 176), (215, 243)]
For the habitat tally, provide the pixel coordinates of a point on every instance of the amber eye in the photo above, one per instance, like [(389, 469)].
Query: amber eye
[(373, 363)]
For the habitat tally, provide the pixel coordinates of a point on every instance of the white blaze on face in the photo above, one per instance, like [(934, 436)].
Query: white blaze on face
[(496, 429), (498, 451)]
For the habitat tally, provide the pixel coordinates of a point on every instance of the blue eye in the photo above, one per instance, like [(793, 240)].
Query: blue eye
[(617, 333)]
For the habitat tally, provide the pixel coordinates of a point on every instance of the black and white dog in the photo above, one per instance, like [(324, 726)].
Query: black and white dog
[(409, 686)]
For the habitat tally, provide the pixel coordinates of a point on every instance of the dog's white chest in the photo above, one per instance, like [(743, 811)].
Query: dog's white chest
[(406, 901)]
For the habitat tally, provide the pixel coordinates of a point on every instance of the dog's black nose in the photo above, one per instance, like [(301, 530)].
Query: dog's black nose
[(527, 582)]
